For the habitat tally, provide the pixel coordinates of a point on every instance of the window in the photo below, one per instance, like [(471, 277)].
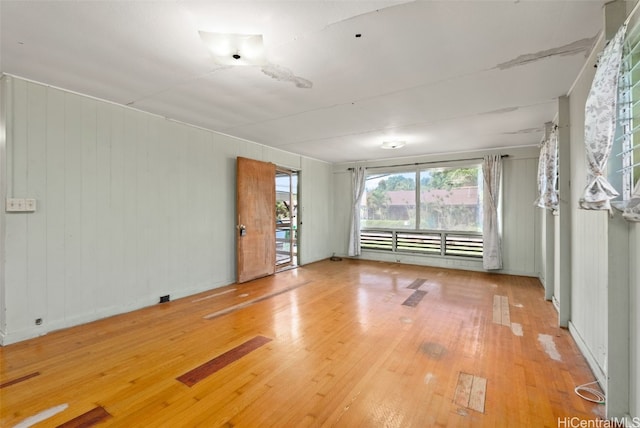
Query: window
[(389, 201), (451, 199), (624, 168), (436, 211)]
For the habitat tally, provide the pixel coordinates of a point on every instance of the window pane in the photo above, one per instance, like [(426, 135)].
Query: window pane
[(389, 201), (451, 199), (626, 144)]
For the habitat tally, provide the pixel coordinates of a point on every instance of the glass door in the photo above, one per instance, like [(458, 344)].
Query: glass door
[(286, 218)]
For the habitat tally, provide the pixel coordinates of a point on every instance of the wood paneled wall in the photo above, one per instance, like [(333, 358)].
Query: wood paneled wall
[(131, 206), (520, 225), (588, 238)]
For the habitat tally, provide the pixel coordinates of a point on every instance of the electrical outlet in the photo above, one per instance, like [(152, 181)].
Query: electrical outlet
[(30, 205), (12, 205), (20, 205), (164, 299)]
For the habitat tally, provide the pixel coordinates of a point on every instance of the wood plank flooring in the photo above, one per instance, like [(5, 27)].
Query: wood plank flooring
[(337, 348)]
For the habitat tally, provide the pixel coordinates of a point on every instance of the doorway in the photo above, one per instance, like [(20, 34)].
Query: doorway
[(286, 208)]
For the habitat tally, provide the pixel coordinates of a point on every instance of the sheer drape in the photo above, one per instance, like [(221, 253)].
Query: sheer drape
[(358, 179), (600, 125), (548, 170), (492, 252)]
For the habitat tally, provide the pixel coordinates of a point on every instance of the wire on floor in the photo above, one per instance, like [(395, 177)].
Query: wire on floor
[(590, 394)]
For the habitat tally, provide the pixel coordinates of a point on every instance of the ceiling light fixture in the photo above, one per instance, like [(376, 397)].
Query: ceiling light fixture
[(393, 144), (235, 49)]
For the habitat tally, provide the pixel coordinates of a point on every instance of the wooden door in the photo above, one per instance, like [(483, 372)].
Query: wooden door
[(256, 228)]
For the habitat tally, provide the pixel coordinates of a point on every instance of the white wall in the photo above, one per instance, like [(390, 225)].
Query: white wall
[(131, 206), (3, 192), (541, 221), (521, 236), (634, 319), (556, 262), (317, 210), (545, 219), (604, 268), (588, 236), (521, 228)]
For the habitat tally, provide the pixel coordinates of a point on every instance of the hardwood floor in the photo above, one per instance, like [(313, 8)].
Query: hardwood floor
[(336, 347)]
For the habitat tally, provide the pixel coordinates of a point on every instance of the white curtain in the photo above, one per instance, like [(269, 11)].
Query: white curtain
[(600, 125), (358, 179), (548, 170), (492, 252)]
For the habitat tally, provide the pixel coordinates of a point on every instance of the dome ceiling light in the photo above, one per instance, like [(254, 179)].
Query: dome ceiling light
[(393, 144), (235, 49)]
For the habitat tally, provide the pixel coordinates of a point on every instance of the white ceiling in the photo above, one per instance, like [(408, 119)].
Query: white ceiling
[(444, 76)]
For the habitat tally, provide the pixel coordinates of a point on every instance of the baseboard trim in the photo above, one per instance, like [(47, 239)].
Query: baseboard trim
[(598, 372)]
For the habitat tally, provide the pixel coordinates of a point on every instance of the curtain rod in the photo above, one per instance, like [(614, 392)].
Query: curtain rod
[(423, 163)]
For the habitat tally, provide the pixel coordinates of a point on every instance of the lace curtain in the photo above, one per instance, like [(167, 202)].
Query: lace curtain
[(492, 252), (358, 180), (600, 125), (548, 169)]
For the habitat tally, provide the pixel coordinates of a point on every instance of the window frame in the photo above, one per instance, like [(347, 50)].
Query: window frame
[(423, 241), (624, 163)]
